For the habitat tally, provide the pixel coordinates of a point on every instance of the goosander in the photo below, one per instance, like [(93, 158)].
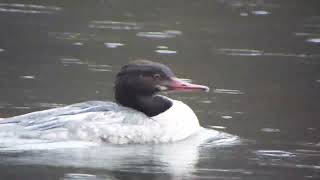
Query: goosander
[(139, 115)]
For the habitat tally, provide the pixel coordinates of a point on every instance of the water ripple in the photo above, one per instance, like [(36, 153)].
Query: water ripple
[(160, 35), (31, 105), (72, 36), (115, 25), (275, 153), (81, 176), (67, 61), (99, 68), (227, 91), (254, 52), (28, 8), (240, 52)]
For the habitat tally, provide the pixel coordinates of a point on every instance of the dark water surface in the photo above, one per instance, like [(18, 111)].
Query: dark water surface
[(261, 56)]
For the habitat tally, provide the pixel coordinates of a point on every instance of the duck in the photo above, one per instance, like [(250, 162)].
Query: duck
[(139, 114)]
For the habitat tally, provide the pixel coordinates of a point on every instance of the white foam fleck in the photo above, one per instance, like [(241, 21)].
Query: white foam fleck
[(244, 14), (226, 117), (162, 47), (31, 6), (99, 67), (66, 60), (313, 40), (27, 77), (163, 51), (113, 45), (160, 35), (206, 101), (48, 105), (227, 91), (78, 43), (99, 70), (302, 34), (1, 50), (260, 12), (270, 130), (79, 175), (275, 153), (175, 32), (115, 25), (28, 8), (218, 127), (21, 107), (240, 52)]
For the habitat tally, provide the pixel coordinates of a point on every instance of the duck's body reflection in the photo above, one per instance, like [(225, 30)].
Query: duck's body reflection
[(178, 159)]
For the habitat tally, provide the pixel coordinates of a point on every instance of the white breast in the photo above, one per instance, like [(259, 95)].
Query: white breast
[(178, 122)]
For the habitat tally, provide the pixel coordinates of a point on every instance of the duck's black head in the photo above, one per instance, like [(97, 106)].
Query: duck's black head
[(137, 83)]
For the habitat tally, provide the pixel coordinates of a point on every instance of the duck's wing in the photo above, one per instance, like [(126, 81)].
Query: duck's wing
[(93, 121), (57, 117)]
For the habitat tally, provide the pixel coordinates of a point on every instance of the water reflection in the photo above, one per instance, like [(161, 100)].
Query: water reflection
[(178, 159)]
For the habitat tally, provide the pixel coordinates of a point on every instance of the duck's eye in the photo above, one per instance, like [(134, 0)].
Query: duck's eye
[(156, 76)]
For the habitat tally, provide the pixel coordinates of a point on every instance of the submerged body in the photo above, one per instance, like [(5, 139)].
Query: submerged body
[(101, 121)]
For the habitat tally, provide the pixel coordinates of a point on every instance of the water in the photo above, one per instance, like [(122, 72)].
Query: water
[(262, 57)]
